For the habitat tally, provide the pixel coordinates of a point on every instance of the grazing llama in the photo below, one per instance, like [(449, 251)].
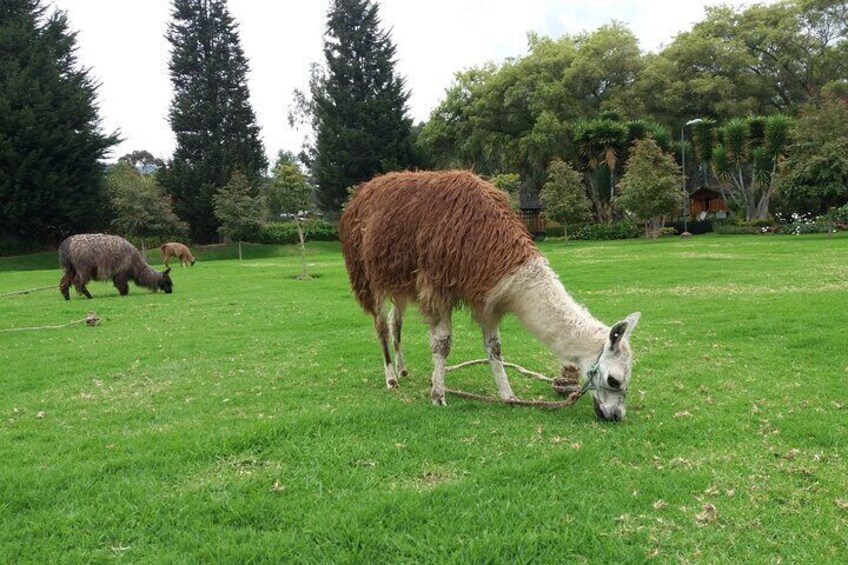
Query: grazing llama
[(445, 239), (178, 250), (101, 257)]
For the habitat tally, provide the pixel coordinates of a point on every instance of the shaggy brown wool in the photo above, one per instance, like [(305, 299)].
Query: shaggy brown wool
[(172, 249), (101, 257), (441, 238)]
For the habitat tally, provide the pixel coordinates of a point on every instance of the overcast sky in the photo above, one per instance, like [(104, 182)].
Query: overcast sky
[(122, 42)]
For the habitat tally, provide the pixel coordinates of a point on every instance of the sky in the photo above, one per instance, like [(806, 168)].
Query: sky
[(123, 44)]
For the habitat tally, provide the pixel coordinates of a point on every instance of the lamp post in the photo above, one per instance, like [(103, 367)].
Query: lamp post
[(683, 163)]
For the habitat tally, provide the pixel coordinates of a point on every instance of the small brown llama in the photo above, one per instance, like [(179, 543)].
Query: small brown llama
[(178, 250), (101, 257), (445, 239)]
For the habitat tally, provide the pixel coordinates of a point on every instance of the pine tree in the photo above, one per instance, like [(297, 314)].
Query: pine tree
[(210, 114), (358, 106), (50, 136)]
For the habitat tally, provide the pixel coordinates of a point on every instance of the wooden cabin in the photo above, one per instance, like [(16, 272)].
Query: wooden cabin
[(707, 203)]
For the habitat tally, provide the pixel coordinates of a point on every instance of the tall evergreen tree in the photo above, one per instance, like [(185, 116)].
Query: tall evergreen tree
[(358, 106), (210, 115), (50, 135)]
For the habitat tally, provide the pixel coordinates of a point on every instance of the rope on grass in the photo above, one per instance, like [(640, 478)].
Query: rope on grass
[(566, 385), (92, 319), (27, 291)]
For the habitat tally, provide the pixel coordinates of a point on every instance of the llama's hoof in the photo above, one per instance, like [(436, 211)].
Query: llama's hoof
[(404, 373), (439, 400), (391, 383)]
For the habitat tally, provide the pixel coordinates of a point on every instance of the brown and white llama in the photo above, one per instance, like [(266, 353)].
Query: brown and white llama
[(101, 257), (172, 249), (445, 239)]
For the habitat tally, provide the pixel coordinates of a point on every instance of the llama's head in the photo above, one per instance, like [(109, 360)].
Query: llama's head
[(612, 377), (165, 284)]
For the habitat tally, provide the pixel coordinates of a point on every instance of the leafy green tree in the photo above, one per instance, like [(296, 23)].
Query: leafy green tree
[(510, 183), (357, 105), (650, 187), (759, 59), (51, 179), (815, 175), (564, 196), (140, 208), (240, 214), (210, 114), (141, 158), (290, 193)]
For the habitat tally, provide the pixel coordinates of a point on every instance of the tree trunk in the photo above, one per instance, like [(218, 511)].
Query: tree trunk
[(565, 232), (239, 246), (304, 275), (143, 252)]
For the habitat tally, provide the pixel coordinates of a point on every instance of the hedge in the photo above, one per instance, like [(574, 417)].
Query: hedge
[(282, 233)]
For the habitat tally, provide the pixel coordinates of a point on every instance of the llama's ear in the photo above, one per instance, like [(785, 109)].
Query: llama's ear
[(631, 320), (621, 330), (168, 270)]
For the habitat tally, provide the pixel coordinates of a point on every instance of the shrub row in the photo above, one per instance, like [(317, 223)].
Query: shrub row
[(282, 233), (603, 232)]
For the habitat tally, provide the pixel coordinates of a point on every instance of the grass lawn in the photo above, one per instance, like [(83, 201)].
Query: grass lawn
[(244, 418)]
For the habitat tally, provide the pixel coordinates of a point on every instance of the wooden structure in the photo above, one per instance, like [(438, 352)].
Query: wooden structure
[(535, 222), (707, 202)]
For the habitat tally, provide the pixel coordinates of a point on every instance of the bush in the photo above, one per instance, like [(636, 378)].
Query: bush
[(732, 229), (283, 233), (603, 232), (798, 224), (554, 231)]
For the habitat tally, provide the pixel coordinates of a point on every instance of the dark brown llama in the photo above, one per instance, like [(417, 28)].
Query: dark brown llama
[(178, 250), (444, 239), (101, 257)]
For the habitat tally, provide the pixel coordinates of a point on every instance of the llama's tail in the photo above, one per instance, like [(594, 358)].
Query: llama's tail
[(162, 247)]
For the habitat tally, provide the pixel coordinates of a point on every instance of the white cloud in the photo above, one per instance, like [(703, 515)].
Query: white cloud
[(123, 42)]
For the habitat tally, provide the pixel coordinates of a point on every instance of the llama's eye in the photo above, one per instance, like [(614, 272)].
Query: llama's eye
[(613, 382)]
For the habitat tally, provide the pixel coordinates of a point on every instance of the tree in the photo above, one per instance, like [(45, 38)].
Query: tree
[(210, 114), (240, 214), (289, 193), (357, 106), (142, 160), (509, 183), (139, 206), (51, 143), (650, 187), (564, 196), (815, 175), (746, 160)]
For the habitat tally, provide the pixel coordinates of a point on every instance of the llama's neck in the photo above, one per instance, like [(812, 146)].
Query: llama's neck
[(536, 296), (146, 277)]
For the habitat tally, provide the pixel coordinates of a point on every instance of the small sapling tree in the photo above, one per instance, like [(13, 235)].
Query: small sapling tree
[(564, 196), (241, 214), (651, 186), (289, 193)]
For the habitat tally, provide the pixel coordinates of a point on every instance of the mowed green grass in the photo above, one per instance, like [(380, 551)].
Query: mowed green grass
[(244, 418)]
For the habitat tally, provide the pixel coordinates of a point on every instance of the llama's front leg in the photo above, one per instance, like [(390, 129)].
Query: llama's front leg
[(79, 284), (492, 341), (121, 282), (440, 346), (396, 320), (382, 328)]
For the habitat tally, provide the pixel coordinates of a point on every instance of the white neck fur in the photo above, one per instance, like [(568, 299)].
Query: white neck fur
[(536, 296)]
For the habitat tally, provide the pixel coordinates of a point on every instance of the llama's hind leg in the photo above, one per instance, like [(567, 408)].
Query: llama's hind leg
[(440, 346), (65, 284), (396, 320), (492, 342), (382, 328)]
